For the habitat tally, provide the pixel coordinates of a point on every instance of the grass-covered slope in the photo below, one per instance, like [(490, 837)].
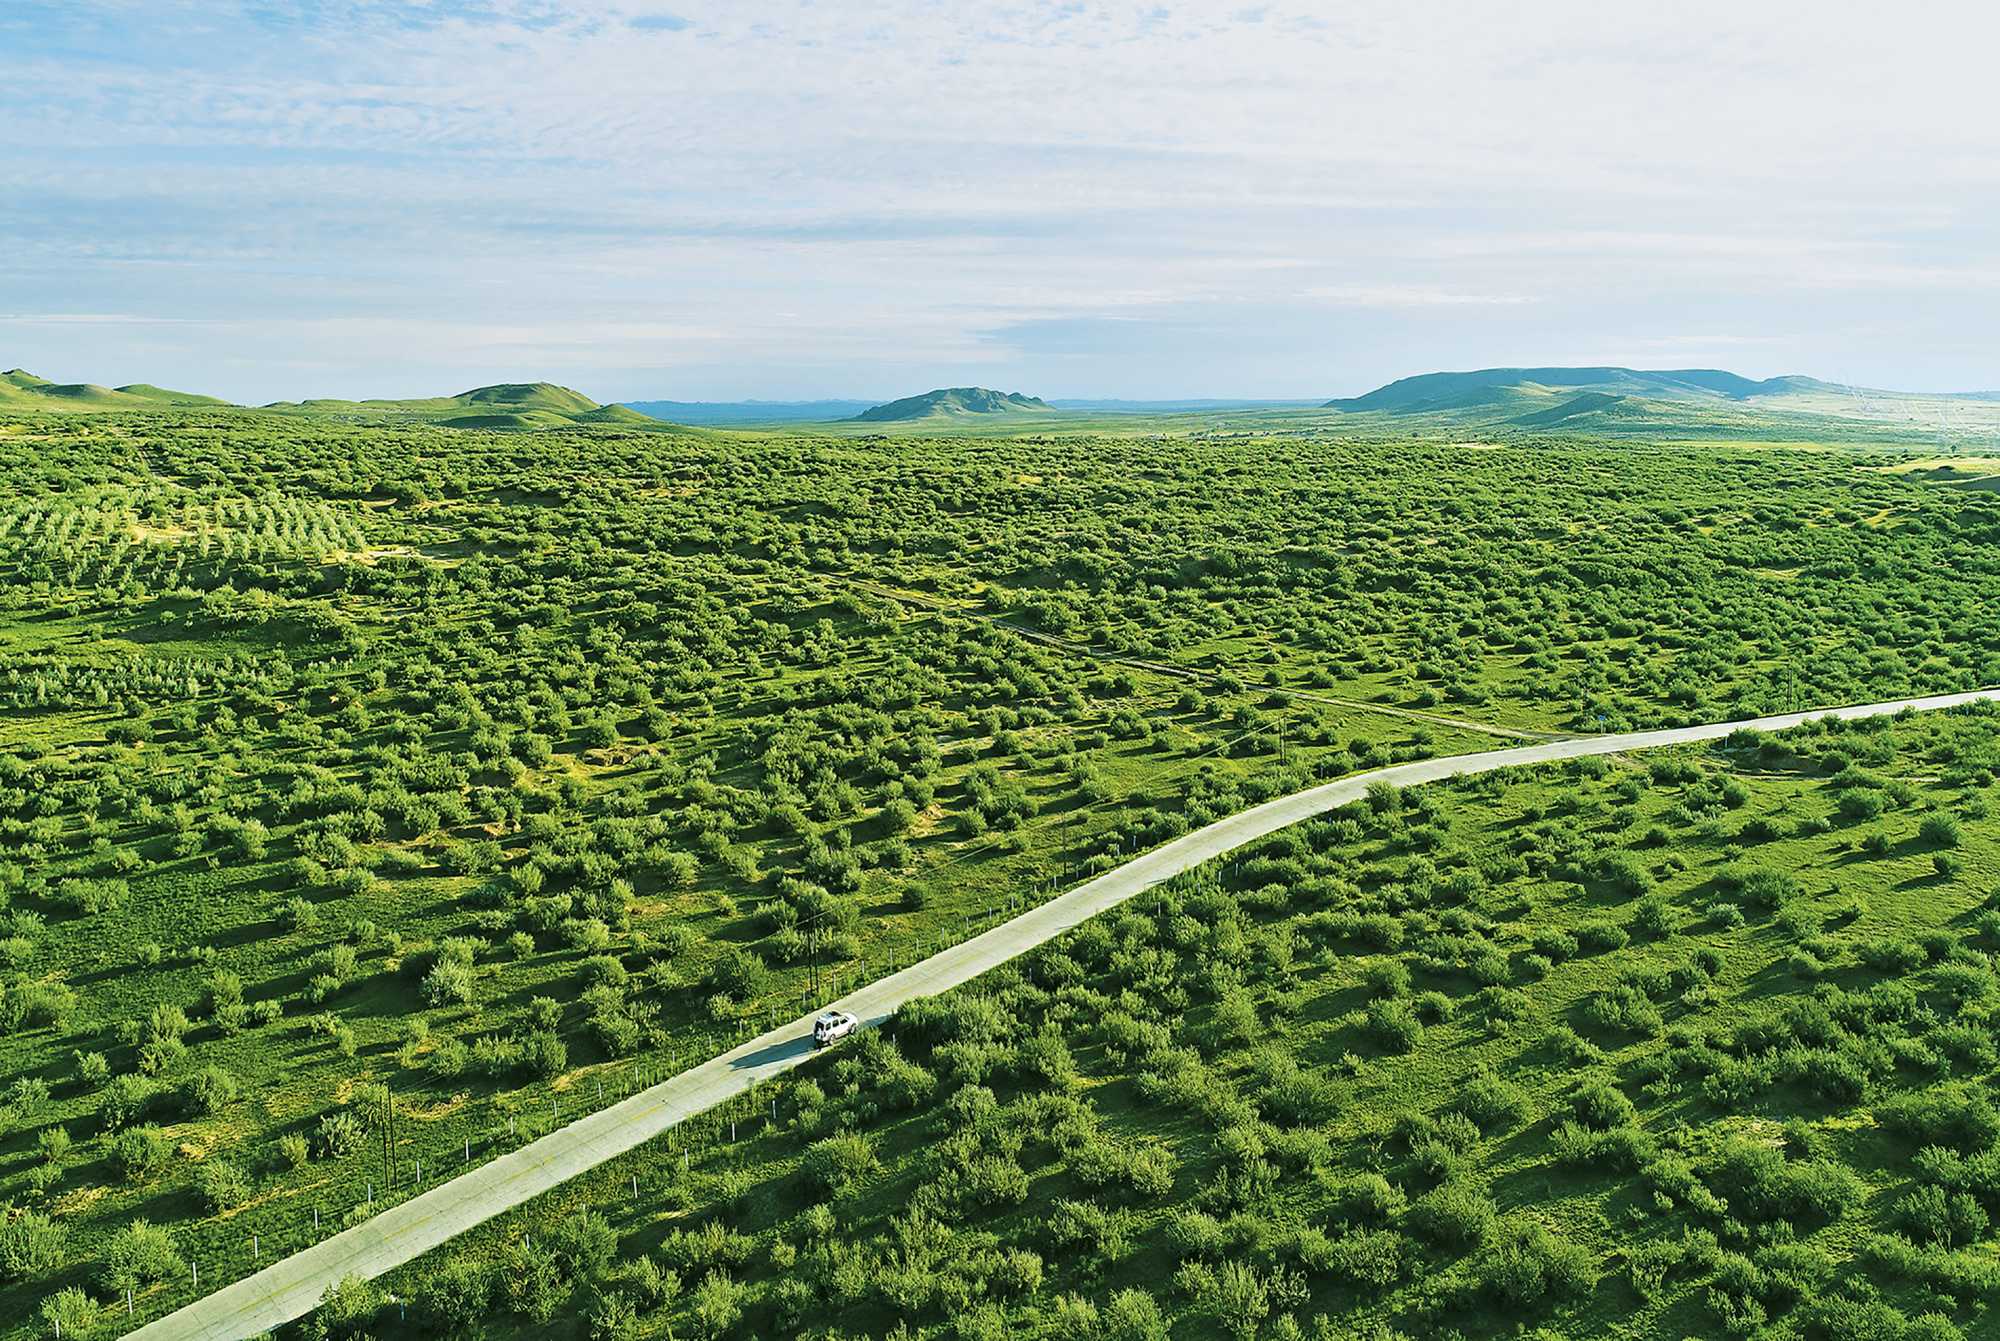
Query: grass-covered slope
[(20, 389)]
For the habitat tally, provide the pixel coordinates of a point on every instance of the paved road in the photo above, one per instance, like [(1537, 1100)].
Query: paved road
[(292, 1287)]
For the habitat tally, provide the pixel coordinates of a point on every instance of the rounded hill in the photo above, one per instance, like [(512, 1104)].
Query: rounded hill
[(950, 403)]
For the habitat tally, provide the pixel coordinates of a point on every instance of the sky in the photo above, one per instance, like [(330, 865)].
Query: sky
[(794, 199)]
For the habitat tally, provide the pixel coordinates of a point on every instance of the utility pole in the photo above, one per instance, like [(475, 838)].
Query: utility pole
[(388, 1120)]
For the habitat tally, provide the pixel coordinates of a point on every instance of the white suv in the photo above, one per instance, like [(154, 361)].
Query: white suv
[(833, 1026)]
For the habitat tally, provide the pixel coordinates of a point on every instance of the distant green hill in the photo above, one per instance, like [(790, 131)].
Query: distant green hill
[(950, 403), (1489, 386), (505, 405), (22, 389), (530, 396), (1682, 404), (615, 414)]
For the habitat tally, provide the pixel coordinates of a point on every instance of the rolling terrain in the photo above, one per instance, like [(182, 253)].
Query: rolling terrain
[(373, 792), (1496, 404)]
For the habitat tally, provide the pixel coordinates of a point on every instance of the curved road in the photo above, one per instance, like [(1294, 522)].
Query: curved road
[(292, 1287)]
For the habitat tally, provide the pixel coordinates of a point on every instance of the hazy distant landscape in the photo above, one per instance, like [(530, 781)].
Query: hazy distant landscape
[(1609, 403)]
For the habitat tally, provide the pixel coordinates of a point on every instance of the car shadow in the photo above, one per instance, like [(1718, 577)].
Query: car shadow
[(776, 1052)]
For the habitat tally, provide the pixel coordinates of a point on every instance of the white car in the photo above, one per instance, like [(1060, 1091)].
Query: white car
[(833, 1026)]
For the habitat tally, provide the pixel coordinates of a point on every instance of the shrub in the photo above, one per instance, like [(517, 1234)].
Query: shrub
[(1492, 1102), (1625, 872), (33, 1004), (338, 1136), (1940, 830), (208, 1091), (1891, 956), (740, 974), (715, 1305), (28, 1094), (1759, 1184), (1932, 1215), (1133, 1315), (1768, 887), (140, 1151), (224, 1185), (1622, 1006), (1394, 1025), (1860, 803), (448, 1059), (92, 1070), (1370, 1257), (1555, 944), (72, 1313), (1600, 936), (1525, 1265), (1300, 1098), (654, 1287), (447, 984), (1196, 1234), (1453, 1213), (544, 1054), (31, 1245), (1655, 917), (838, 1163), (614, 1318), (1105, 1232), (137, 1256), (1956, 1117), (456, 1295), (605, 971), (347, 1310), (1651, 1263), (1387, 978), (584, 1245), (476, 858)]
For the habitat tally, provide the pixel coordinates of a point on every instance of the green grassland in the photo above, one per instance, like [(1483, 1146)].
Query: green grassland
[(1697, 1045), (345, 765)]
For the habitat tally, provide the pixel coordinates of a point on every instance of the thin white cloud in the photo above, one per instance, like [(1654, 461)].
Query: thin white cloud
[(822, 182), (1412, 295)]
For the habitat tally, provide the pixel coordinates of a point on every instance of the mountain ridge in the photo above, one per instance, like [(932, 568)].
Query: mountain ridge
[(1457, 390)]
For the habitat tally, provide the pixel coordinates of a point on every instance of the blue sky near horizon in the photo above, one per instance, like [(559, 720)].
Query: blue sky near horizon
[(791, 199)]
